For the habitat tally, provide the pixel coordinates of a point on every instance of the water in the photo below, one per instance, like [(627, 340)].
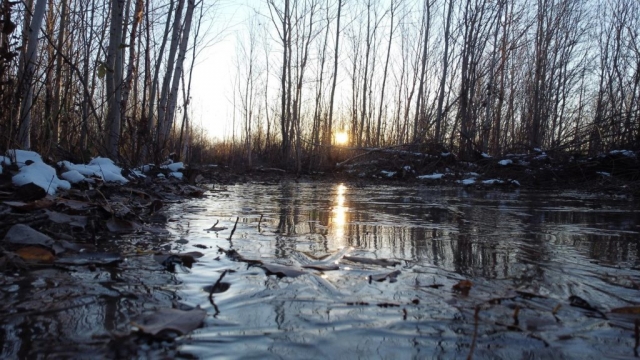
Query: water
[(526, 254)]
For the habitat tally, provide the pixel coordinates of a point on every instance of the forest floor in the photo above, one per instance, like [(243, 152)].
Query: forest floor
[(95, 260)]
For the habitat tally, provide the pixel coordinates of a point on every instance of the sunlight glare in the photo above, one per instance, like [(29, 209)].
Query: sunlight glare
[(342, 138), (339, 218)]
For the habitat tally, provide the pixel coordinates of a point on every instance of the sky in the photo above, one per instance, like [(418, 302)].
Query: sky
[(214, 72)]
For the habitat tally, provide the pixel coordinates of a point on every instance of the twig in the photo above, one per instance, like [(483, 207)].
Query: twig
[(637, 335), (213, 288), (475, 332), (234, 228), (259, 222)]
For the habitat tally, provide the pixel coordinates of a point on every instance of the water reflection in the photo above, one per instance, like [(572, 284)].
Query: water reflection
[(476, 234), (554, 245), (339, 217)]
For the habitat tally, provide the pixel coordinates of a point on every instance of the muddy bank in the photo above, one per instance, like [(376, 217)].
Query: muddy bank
[(617, 172), (83, 270)]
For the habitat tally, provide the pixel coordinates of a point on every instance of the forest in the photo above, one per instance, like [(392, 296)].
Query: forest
[(81, 78)]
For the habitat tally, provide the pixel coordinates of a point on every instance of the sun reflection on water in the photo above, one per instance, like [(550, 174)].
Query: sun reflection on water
[(339, 217)]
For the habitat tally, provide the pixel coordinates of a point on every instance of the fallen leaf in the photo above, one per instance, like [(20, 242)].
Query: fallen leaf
[(631, 310), (463, 286), (122, 226), (163, 320), (320, 267), (217, 288), (579, 302), (363, 260), (73, 220), (25, 235), (392, 276), (34, 253), (281, 270), (30, 206), (216, 228), (74, 204), (87, 258)]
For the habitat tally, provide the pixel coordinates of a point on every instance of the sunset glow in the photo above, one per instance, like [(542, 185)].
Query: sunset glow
[(342, 138)]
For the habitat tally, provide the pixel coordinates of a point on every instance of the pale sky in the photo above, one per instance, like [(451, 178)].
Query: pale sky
[(214, 72)]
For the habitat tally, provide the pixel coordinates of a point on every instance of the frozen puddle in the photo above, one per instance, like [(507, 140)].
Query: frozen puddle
[(321, 270)]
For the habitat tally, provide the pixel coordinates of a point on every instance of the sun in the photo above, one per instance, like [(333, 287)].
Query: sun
[(342, 138)]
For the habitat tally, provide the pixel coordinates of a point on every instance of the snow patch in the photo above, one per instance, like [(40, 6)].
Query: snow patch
[(175, 166), (73, 176), (22, 156), (492, 182), (465, 182), (176, 174), (603, 173), (445, 154), (103, 168), (435, 176), (42, 175), (627, 153), (505, 162), (388, 173), (485, 155)]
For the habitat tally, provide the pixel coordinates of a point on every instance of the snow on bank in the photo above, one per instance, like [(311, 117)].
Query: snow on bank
[(37, 172), (434, 176), (100, 167)]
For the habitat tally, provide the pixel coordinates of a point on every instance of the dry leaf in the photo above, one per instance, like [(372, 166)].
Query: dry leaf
[(281, 270), (122, 226), (631, 310), (176, 320), (463, 286), (30, 206), (34, 253), (74, 204), (363, 260), (321, 267), (73, 220)]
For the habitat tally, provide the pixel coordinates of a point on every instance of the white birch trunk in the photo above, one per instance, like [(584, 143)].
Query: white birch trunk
[(24, 134)]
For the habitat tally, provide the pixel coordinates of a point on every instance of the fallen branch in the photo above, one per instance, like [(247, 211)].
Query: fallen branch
[(234, 228)]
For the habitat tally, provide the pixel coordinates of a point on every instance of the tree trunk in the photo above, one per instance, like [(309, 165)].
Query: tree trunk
[(114, 78), (24, 134)]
